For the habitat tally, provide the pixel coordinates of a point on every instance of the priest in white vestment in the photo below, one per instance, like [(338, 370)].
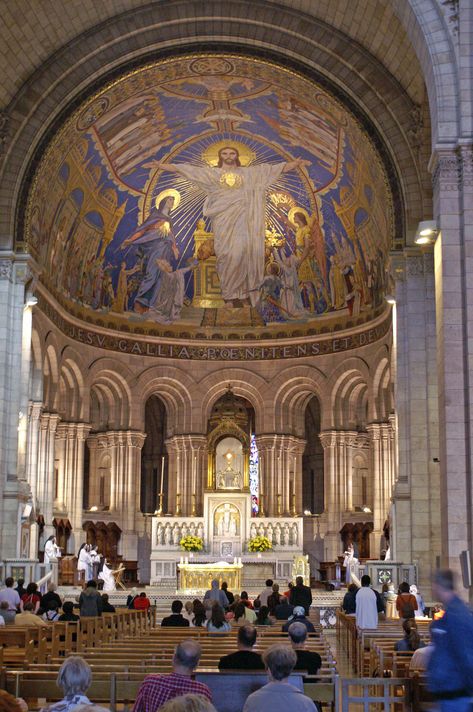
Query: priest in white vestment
[(235, 204), (366, 608)]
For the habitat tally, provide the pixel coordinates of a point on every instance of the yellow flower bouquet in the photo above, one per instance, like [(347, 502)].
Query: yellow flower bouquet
[(191, 543), (259, 543)]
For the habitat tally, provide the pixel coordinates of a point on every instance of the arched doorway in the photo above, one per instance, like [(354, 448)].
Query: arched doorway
[(154, 465), (313, 461)]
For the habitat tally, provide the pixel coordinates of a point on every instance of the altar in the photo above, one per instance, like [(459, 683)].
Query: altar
[(196, 578)]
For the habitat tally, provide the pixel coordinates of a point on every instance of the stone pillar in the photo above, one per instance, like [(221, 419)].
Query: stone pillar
[(187, 468), (15, 345), (452, 171), (279, 456), (331, 518), (415, 535), (46, 465), (71, 477), (34, 415), (128, 446)]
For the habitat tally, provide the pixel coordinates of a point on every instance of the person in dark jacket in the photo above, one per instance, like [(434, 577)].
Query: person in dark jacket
[(90, 601), (106, 605), (306, 659), (68, 614), (176, 618), (228, 593), (245, 658), (301, 595), (349, 600), (284, 610), (51, 596), (450, 667)]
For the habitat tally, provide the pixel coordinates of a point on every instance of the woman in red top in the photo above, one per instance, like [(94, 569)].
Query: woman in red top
[(141, 602), (31, 596), (406, 603)]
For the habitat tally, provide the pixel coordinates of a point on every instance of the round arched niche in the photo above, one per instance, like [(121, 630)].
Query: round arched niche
[(126, 243)]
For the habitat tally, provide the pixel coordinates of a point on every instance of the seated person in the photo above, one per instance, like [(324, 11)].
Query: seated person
[(7, 616), (244, 599), (420, 659), (279, 694), (176, 618), (200, 616), (217, 622), (27, 617), (299, 617), (187, 703), (284, 610), (155, 690), (306, 659), (68, 612), (349, 600), (74, 679), (262, 616), (274, 599), (188, 613), (266, 592), (51, 595), (141, 602), (51, 614), (411, 640), (244, 658), (106, 605), (243, 614)]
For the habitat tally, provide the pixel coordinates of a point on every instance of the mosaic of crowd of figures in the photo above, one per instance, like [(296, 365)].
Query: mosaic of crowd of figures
[(213, 191)]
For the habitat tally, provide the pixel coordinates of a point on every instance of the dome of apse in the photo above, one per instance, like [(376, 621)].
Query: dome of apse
[(138, 229)]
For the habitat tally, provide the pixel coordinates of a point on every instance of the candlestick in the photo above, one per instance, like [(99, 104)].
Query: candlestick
[(261, 506), (178, 505), (279, 504), (160, 507), (293, 504), (194, 507), (161, 487)]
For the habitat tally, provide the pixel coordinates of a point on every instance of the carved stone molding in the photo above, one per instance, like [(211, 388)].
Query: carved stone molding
[(466, 165), (446, 175), (4, 121), (415, 265), (6, 269)]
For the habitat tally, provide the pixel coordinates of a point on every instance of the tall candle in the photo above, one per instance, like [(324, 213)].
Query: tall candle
[(162, 476)]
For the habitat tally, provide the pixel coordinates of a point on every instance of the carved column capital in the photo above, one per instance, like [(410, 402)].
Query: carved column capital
[(328, 438), (446, 170)]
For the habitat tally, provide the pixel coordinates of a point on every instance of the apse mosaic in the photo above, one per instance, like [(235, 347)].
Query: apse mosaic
[(212, 191)]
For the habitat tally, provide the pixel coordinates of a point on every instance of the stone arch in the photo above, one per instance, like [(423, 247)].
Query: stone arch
[(175, 388), (110, 396), (347, 386), (244, 384), (381, 391), (293, 389), (36, 370), (50, 372), (72, 393)]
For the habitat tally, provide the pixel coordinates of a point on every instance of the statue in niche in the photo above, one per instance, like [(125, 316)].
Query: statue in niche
[(269, 532), (295, 534), (277, 534), (159, 533), (226, 520), (167, 535), (286, 535), (252, 530), (184, 530), (200, 530), (261, 531)]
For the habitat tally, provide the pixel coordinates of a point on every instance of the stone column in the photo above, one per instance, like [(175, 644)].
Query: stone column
[(34, 415), (415, 514), (128, 446), (15, 345), (187, 471), (46, 465), (331, 518), (279, 456), (453, 209), (71, 477)]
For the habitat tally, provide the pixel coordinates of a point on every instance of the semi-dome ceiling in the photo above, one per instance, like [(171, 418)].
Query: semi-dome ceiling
[(133, 231)]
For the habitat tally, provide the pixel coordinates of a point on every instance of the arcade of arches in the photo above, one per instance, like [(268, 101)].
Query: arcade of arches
[(216, 317)]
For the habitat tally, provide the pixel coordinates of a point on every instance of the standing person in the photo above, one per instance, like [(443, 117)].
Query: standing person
[(406, 603), (450, 666), (90, 601), (216, 594), (176, 619), (349, 600), (245, 658), (365, 603), (228, 593), (51, 550), (301, 595), (419, 613), (51, 595), (235, 204), (83, 560), (274, 599), (157, 689), (9, 595), (279, 695), (266, 592), (20, 587)]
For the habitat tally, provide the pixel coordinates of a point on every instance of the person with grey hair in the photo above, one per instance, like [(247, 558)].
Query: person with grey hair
[(188, 703), (450, 666), (279, 695), (306, 659), (74, 679), (158, 689)]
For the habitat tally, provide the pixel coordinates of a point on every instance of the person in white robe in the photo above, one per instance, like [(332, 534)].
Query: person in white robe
[(366, 610), (291, 299), (351, 564), (51, 550), (235, 204), (106, 575), (84, 563)]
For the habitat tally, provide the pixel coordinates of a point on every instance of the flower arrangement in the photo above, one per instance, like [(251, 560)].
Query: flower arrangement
[(191, 543), (259, 543)]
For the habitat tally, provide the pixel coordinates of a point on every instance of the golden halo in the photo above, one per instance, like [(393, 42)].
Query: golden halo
[(170, 192), (293, 211), (210, 155)]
